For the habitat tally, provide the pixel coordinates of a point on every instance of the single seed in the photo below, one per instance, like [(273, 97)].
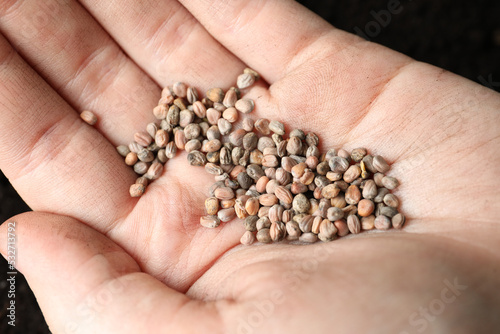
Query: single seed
[(264, 236), (230, 114), (358, 154), (327, 231), (352, 173), (268, 199), (245, 80), (252, 206), (230, 98), (398, 221), (391, 200), (141, 167), (160, 111), (250, 223), (330, 191), (277, 231), (192, 95), (353, 224), (248, 238), (211, 206), (301, 204), (213, 116), (334, 213), (293, 231), (382, 223), (131, 159), (88, 117), (342, 227), (369, 189), (352, 195), (154, 171), (368, 163), (196, 158), (377, 178), (245, 106), (380, 195), (390, 182), (308, 237), (199, 109), (277, 127), (210, 221), (215, 94), (365, 207), (368, 223), (247, 124), (227, 214), (262, 126), (180, 89), (137, 190), (380, 164), (145, 155), (263, 222)]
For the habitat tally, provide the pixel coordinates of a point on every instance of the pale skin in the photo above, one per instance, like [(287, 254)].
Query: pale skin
[(100, 261)]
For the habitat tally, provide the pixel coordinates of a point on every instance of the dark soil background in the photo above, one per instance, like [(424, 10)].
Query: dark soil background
[(460, 36)]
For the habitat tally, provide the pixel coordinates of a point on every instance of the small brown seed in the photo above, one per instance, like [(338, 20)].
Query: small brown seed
[(213, 116), (245, 106), (145, 155), (283, 194), (262, 126), (388, 211), (170, 150), (298, 169), (209, 221), (301, 204), (250, 141), (250, 223), (398, 221), (180, 89), (244, 180), (137, 190), (173, 115), (192, 145), (142, 180), (339, 201), (334, 213), (358, 154), (230, 114), (338, 164), (312, 162), (160, 111), (276, 213), (352, 173), (268, 199), (192, 95), (353, 224), (352, 195), (211, 145), (262, 183), (230, 98), (180, 139), (88, 117), (382, 223), (199, 109), (330, 191), (270, 161), (294, 145), (277, 231), (131, 159), (227, 214), (368, 223), (327, 231), (350, 210), (368, 163), (380, 164), (390, 182), (293, 231), (227, 203), (277, 127), (365, 207), (252, 206), (263, 222), (391, 200), (369, 189), (211, 206), (154, 171), (215, 94), (141, 167), (143, 138), (247, 124), (236, 137), (308, 238), (245, 80), (123, 150), (342, 227), (248, 238), (196, 158), (213, 169), (161, 138)]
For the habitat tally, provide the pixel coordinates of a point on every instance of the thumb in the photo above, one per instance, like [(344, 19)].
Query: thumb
[(85, 283)]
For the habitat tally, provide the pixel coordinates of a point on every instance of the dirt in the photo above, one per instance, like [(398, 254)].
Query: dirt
[(460, 36)]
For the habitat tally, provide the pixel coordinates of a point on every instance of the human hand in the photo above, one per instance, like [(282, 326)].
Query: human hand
[(100, 261)]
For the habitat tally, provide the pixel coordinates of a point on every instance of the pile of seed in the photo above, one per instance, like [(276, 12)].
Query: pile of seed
[(280, 185)]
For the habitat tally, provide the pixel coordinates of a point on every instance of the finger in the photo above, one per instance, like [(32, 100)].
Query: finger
[(255, 30), (54, 160), (77, 57), (167, 42), (85, 283)]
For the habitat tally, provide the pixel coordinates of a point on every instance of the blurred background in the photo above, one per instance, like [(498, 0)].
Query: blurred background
[(460, 36)]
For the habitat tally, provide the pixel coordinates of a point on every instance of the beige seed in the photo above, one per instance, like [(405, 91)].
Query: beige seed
[(248, 238), (230, 98), (342, 227), (131, 159), (327, 231), (227, 203), (308, 237), (293, 231), (252, 206), (352, 173), (142, 180), (398, 220), (368, 223), (277, 231), (283, 194), (160, 111), (380, 164), (352, 195), (330, 191), (137, 190), (277, 127), (391, 200), (261, 184), (390, 182), (180, 89), (353, 224), (161, 138), (262, 126), (213, 116), (245, 80), (199, 109), (88, 117), (245, 106), (215, 95), (230, 114), (227, 214), (382, 223), (154, 171), (365, 207), (268, 199), (264, 236), (224, 193), (210, 221), (143, 138), (211, 206)]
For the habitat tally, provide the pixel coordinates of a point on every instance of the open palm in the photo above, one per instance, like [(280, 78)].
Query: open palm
[(100, 261)]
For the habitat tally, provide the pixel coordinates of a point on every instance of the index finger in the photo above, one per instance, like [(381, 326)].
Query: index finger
[(272, 37)]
